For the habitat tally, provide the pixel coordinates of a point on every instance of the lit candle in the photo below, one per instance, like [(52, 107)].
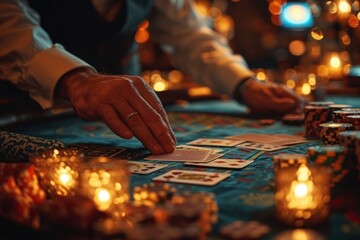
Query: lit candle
[(58, 170), (106, 182), (302, 195)]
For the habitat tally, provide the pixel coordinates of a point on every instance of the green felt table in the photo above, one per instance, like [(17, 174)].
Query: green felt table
[(248, 194)]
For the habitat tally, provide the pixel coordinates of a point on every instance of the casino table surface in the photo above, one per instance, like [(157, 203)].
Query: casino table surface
[(248, 194)]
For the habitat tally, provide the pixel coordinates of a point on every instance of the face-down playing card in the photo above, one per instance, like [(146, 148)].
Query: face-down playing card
[(192, 177)]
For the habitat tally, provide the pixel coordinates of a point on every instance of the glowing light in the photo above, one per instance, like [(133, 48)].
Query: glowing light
[(275, 8), (175, 76), (290, 83), (306, 89), (159, 86), (331, 6), (225, 25), (297, 47), (312, 79), (353, 21), (296, 15), (344, 6), (345, 38), (316, 33), (102, 198), (301, 190), (261, 76), (199, 91), (142, 36), (335, 61), (65, 176)]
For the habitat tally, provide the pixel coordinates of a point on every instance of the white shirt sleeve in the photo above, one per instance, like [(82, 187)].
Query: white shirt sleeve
[(28, 58), (195, 48)]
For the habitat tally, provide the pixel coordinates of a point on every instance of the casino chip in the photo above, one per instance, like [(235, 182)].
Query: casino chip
[(329, 132), (333, 157), (293, 119), (244, 230), (285, 160)]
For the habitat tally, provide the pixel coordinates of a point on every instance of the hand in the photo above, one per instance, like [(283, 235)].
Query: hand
[(127, 104), (267, 97)]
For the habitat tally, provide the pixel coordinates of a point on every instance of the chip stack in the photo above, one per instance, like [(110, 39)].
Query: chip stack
[(337, 107), (329, 132), (357, 153), (332, 157), (321, 103), (315, 115), (340, 115), (285, 160), (348, 140), (153, 193), (354, 120)]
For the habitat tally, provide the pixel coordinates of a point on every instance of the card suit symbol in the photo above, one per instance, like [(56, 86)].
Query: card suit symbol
[(168, 176), (176, 173), (214, 176), (207, 180), (220, 161), (234, 164)]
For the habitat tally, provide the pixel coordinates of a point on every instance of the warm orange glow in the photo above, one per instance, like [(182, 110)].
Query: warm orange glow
[(353, 21), (331, 6), (344, 6), (142, 36), (275, 8), (316, 33), (225, 24), (261, 75), (312, 79), (345, 38), (297, 47), (159, 86), (215, 13), (290, 83), (335, 61), (175, 76), (199, 91), (306, 89), (275, 20)]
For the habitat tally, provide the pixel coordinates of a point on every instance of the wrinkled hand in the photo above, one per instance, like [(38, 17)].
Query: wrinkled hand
[(127, 104), (271, 98)]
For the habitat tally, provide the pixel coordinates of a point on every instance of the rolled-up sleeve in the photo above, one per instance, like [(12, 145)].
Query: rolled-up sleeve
[(28, 57), (197, 50)]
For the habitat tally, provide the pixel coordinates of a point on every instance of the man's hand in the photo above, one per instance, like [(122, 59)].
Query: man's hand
[(270, 98), (127, 104)]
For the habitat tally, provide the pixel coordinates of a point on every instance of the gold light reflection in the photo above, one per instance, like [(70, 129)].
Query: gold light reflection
[(199, 91), (159, 86), (312, 79), (335, 61), (331, 6), (275, 8), (345, 38), (175, 76), (344, 6), (260, 75), (306, 89), (353, 21), (316, 33), (290, 83), (142, 34), (297, 47)]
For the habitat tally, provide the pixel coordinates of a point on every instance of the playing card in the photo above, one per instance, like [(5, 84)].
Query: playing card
[(91, 150), (103, 151), (213, 150), (224, 163), (192, 177), (260, 146), (215, 142), (182, 155), (274, 139), (144, 168)]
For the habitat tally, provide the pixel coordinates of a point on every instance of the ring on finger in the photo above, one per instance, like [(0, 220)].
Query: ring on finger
[(129, 116)]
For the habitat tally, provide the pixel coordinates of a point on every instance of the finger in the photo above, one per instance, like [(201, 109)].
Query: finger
[(282, 105), (137, 124), (150, 96), (112, 120), (283, 91)]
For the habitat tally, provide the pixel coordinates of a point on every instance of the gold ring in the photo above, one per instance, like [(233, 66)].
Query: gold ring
[(130, 116)]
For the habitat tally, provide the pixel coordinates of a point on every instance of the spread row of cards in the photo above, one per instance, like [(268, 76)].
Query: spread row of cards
[(199, 152)]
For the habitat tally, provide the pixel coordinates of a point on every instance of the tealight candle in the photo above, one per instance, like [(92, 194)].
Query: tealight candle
[(58, 170), (302, 195), (106, 182)]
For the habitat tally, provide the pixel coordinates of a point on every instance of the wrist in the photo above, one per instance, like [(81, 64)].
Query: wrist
[(242, 87), (71, 80)]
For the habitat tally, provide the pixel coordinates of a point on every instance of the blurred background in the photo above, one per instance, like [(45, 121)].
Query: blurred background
[(311, 46)]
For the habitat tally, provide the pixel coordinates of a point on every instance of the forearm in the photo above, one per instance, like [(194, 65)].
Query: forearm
[(28, 57), (196, 49)]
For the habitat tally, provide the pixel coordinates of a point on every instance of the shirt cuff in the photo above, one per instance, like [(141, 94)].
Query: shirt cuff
[(46, 68)]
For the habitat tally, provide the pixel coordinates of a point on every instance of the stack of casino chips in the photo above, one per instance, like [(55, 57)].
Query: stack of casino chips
[(349, 139), (321, 103), (353, 120), (334, 157), (285, 160), (340, 115), (153, 193), (337, 107), (329, 132), (315, 115)]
